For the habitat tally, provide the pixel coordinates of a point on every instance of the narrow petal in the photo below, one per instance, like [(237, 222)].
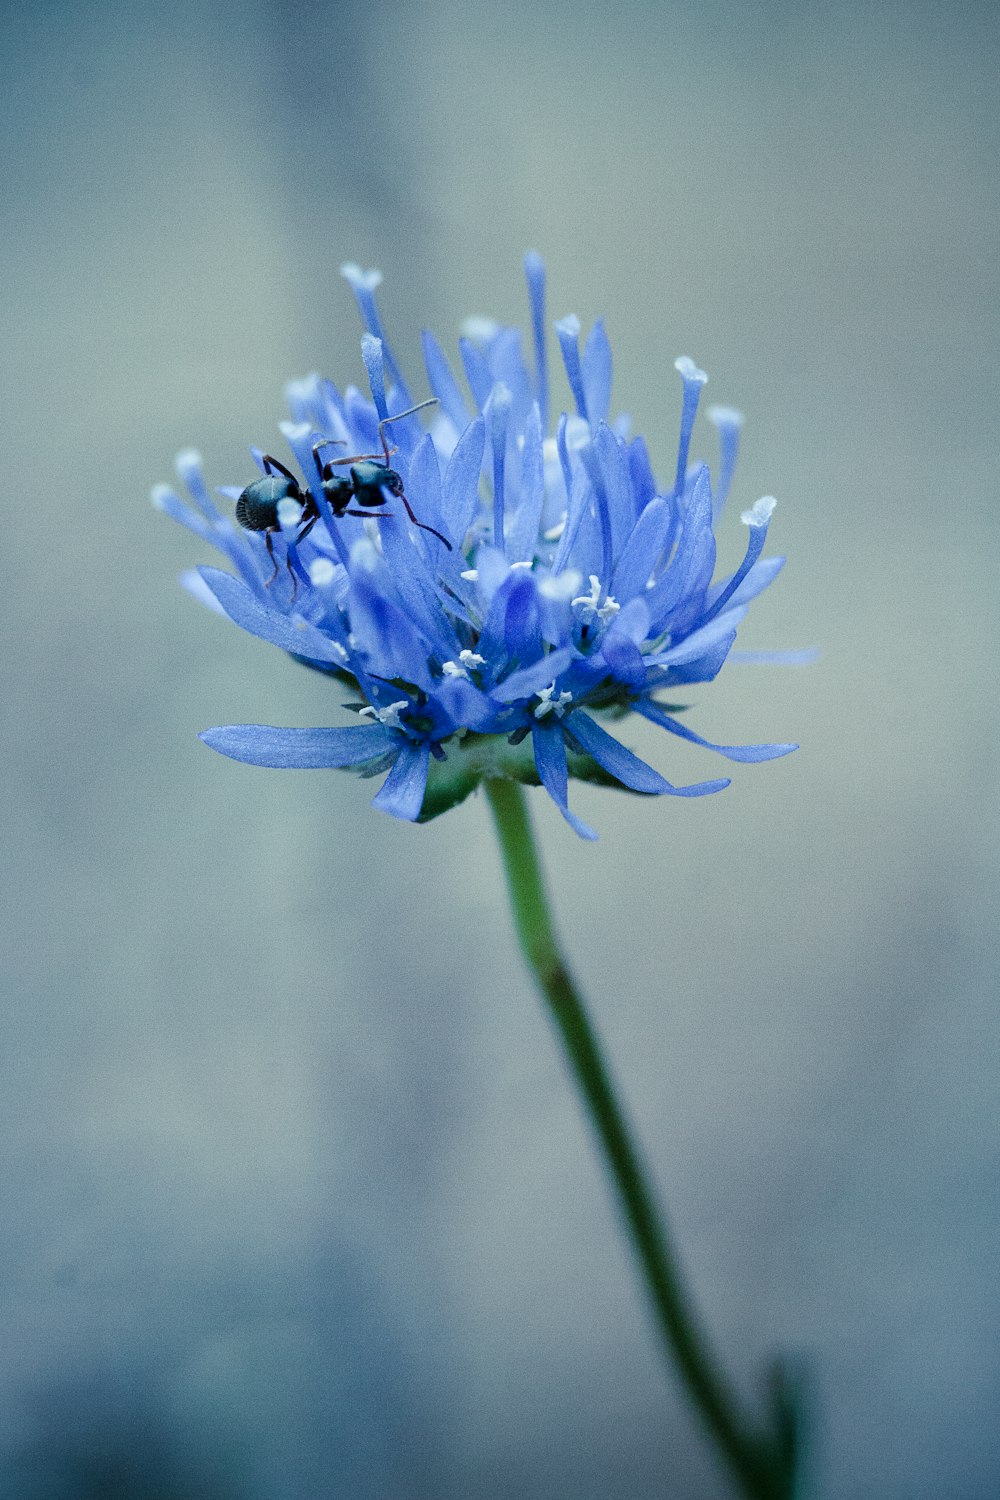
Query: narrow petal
[(460, 491), (550, 762), (597, 373), (760, 576), (301, 749), (746, 753), (628, 768), (693, 379), (402, 792), (522, 535), (568, 332), (757, 519), (529, 680), (534, 272), (729, 423), (443, 383), (371, 353), (641, 552), (268, 624), (803, 657)]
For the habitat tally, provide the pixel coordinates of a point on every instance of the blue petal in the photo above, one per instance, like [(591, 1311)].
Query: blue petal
[(269, 624), (625, 661), (803, 657), (729, 422), (643, 482), (626, 767), (755, 545), (402, 792), (188, 465), (622, 509), (477, 372), (746, 753), (693, 379), (443, 383), (701, 640), (460, 497), (641, 552), (522, 536), (530, 680), (534, 271), (423, 489), (363, 284), (371, 353), (301, 749), (597, 373), (568, 331), (498, 412), (761, 576), (550, 761)]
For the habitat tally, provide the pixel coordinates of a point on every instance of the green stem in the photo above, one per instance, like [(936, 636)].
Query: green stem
[(762, 1466)]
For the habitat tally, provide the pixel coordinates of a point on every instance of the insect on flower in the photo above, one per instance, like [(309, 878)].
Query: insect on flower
[(259, 506), (552, 582)]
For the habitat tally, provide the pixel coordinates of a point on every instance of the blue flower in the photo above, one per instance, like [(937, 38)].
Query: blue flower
[(483, 591)]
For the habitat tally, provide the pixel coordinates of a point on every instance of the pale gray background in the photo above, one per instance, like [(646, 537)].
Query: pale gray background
[(297, 1201)]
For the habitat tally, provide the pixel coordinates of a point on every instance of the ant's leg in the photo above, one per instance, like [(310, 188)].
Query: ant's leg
[(422, 525), (357, 458), (368, 515), (270, 464), (325, 443), (291, 574), (306, 529), (269, 543), (398, 418)]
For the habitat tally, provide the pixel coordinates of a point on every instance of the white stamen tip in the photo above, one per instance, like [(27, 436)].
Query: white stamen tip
[(321, 571), (481, 330), (188, 460), (725, 416), (550, 704), (387, 716), (160, 496), (760, 512), (471, 575), (524, 563), (688, 370), (471, 658), (570, 324), (363, 281), (560, 587), (289, 512)]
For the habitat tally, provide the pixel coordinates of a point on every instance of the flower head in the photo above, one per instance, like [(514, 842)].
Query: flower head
[(484, 591)]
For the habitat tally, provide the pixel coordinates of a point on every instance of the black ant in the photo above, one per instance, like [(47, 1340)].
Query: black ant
[(257, 507)]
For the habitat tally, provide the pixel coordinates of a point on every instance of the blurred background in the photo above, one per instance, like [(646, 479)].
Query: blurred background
[(298, 1202)]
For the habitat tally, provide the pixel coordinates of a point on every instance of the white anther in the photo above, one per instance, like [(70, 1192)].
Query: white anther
[(560, 587), (321, 571), (364, 281), (480, 329), (760, 512), (289, 512), (525, 563), (387, 716), (590, 604), (550, 705), (471, 575), (725, 416), (467, 662), (688, 370), (555, 532)]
